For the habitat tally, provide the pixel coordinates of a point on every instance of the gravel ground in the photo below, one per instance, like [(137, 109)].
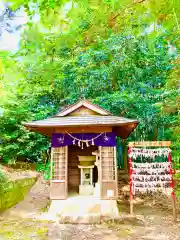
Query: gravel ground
[(154, 222)]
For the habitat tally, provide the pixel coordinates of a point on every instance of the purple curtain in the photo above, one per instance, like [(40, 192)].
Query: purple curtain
[(106, 139)]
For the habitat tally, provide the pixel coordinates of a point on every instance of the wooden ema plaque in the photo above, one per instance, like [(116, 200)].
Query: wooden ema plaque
[(150, 170)]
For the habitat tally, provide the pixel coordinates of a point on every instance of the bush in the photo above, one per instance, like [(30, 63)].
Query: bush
[(3, 180), (45, 169)]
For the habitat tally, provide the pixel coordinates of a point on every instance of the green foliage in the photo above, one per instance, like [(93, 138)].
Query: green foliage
[(45, 169), (3, 181), (14, 192), (18, 143), (171, 107), (115, 53)]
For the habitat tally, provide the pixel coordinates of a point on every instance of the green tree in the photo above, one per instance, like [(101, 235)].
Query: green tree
[(116, 53)]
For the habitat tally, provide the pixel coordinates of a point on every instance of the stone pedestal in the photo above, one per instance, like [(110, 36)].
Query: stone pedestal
[(109, 208), (86, 189), (86, 167)]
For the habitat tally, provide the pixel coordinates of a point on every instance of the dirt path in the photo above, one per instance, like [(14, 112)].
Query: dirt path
[(34, 203), (152, 224), (22, 222)]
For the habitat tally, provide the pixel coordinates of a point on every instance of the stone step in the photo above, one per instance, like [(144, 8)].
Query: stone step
[(75, 219), (84, 210)]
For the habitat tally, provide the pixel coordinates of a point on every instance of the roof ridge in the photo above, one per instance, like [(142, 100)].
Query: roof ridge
[(80, 103)]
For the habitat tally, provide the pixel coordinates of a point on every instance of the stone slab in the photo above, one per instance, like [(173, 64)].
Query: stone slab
[(86, 190)]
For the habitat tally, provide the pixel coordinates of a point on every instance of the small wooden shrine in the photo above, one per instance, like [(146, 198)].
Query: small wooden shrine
[(83, 149)]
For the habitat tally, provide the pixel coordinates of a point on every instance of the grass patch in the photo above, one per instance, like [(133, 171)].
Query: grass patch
[(14, 192), (23, 230)]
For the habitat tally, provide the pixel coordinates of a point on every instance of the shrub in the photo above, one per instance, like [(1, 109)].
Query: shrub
[(3, 180), (45, 169)]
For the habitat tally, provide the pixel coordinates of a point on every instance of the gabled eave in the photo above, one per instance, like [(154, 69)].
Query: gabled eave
[(83, 103)]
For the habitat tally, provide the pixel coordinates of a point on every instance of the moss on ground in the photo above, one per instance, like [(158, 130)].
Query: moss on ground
[(15, 192), (23, 230)]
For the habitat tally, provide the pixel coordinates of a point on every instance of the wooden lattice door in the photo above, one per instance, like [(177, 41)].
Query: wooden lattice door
[(59, 166), (108, 176)]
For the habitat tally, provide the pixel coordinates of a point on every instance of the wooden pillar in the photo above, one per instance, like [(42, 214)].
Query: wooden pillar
[(59, 162), (108, 167), (116, 173), (100, 170)]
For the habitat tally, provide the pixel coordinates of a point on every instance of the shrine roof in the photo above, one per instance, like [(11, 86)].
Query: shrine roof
[(84, 114), (81, 121)]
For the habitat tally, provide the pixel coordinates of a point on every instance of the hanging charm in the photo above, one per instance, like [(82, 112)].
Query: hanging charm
[(77, 141)]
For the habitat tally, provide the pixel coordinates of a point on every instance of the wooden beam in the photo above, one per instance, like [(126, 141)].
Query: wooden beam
[(45, 131), (85, 129), (48, 131), (150, 144)]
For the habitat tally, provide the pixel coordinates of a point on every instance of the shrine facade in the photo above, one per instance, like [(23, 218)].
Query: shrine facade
[(83, 149)]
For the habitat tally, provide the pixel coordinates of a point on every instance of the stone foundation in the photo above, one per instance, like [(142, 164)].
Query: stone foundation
[(83, 209)]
